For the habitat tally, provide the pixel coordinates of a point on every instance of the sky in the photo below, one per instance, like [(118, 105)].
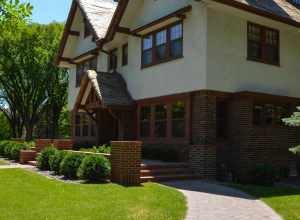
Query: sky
[(46, 11)]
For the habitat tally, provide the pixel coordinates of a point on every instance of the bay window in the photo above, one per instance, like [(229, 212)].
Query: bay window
[(160, 121), (178, 119), (145, 121)]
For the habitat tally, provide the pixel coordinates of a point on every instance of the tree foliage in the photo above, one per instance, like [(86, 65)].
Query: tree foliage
[(31, 87), (294, 120)]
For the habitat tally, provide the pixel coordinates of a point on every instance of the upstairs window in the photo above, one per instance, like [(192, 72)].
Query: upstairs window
[(113, 60), (163, 45), (125, 55), (82, 67), (263, 44)]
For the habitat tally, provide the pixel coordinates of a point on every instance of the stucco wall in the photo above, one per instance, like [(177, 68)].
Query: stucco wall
[(227, 66), (177, 76)]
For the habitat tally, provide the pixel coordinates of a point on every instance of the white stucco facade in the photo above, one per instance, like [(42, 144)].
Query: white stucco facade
[(227, 66), (214, 53)]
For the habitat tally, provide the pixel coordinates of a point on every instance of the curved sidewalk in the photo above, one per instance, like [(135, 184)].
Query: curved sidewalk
[(208, 201)]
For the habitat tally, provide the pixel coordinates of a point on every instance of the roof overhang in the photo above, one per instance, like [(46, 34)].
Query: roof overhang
[(259, 12)]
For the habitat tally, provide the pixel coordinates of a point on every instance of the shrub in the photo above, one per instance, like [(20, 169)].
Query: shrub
[(94, 168), (44, 156), (3, 145), (70, 165), (11, 149), (263, 174), (55, 160), (102, 149)]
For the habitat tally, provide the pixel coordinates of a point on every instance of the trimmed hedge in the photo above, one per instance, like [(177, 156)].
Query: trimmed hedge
[(102, 149), (94, 168), (12, 149), (43, 158), (56, 159), (70, 165)]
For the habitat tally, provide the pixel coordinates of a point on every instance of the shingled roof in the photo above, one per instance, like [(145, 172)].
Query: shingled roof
[(110, 88), (99, 14), (281, 10)]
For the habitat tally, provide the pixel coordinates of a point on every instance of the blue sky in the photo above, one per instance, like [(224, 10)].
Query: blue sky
[(46, 11)]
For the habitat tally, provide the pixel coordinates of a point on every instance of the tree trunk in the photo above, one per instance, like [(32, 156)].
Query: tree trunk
[(29, 132)]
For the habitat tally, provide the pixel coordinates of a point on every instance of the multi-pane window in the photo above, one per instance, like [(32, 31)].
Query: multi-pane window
[(113, 59), (163, 45), (160, 121), (84, 126), (125, 55), (163, 120), (82, 67), (145, 113), (178, 119), (263, 44), (269, 114)]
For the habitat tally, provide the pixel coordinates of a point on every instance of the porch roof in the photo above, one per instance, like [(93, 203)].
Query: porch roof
[(110, 88)]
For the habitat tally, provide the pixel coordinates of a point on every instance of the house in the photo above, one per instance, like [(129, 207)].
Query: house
[(209, 78)]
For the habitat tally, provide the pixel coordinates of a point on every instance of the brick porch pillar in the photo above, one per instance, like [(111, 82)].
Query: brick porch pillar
[(202, 156), (126, 162)]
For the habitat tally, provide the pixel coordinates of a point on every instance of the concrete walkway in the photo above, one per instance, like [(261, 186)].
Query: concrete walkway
[(208, 201)]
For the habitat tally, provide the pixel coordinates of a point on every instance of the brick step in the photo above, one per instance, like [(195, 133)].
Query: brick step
[(32, 163), (170, 177), (162, 171), (164, 166)]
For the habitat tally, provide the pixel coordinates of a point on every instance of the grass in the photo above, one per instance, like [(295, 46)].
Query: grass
[(284, 200), (32, 196), (3, 162)]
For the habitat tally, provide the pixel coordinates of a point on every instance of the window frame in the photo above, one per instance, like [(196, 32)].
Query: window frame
[(167, 56), (263, 54), (111, 54), (124, 56), (168, 101)]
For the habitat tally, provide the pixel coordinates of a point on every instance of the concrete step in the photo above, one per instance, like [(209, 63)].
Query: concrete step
[(164, 166), (170, 177), (162, 171), (32, 163)]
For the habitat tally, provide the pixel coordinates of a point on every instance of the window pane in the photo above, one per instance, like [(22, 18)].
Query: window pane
[(160, 120), (258, 115), (77, 119), (178, 119), (145, 121), (254, 33), (77, 131), (161, 52), (176, 32), (254, 50), (161, 37), (176, 48), (85, 130), (269, 114), (147, 42), (272, 54), (147, 57), (178, 128)]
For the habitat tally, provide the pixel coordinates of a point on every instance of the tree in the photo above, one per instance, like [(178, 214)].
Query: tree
[(294, 120), (12, 11), (5, 132), (30, 83)]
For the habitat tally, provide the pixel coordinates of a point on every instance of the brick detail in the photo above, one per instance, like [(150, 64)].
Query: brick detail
[(61, 144), (202, 155), (126, 162), (27, 155), (203, 160)]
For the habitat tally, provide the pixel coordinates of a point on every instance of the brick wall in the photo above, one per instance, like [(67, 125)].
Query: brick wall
[(126, 162), (61, 144), (202, 155), (251, 145)]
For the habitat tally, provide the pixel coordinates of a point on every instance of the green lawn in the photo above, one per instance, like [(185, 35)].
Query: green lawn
[(284, 200), (3, 162), (31, 196)]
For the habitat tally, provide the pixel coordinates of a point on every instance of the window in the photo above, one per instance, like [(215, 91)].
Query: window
[(178, 119), (113, 59), (269, 114), (263, 44), (82, 67), (164, 120), (125, 55), (85, 125), (160, 121), (87, 29), (77, 126), (163, 45), (145, 113)]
